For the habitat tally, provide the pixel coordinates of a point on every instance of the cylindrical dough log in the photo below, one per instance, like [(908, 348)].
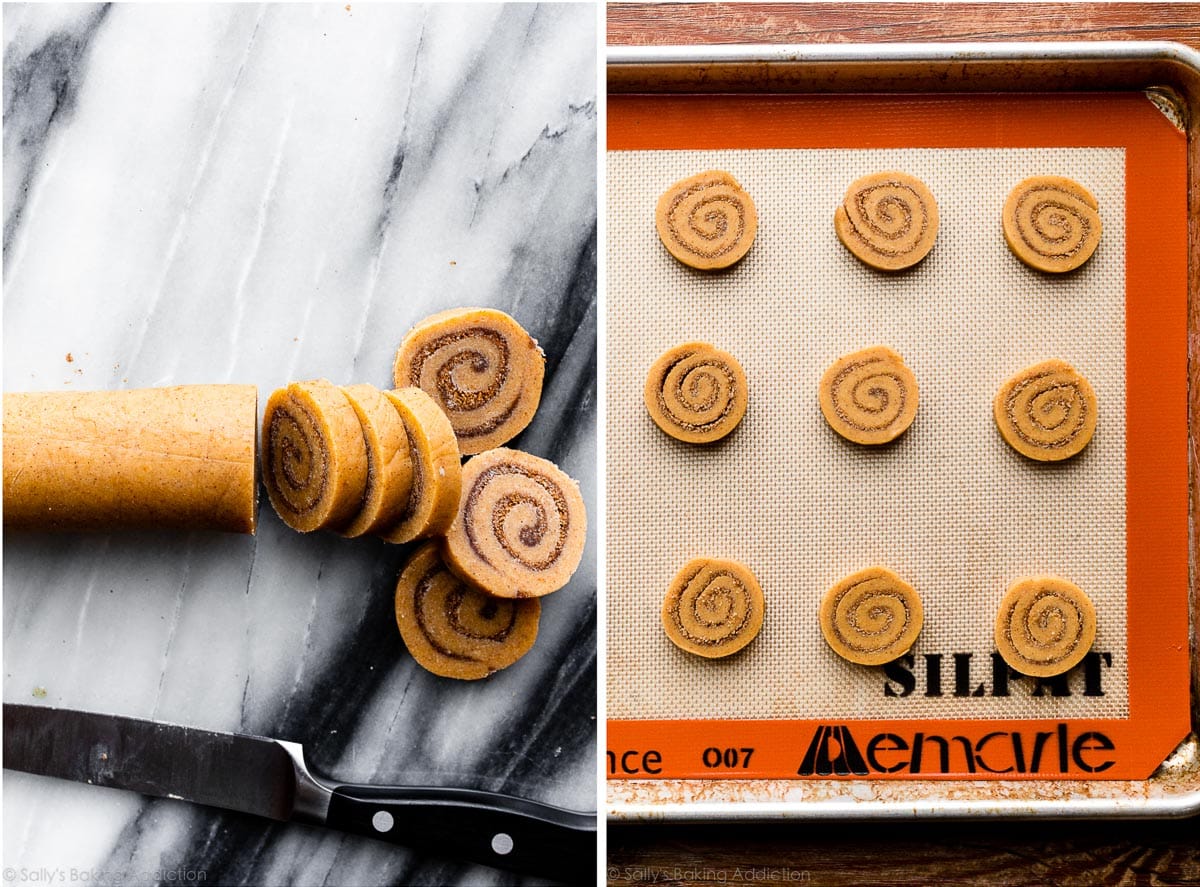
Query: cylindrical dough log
[(179, 458)]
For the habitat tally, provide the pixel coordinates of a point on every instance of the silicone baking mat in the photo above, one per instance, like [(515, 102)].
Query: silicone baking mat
[(950, 506)]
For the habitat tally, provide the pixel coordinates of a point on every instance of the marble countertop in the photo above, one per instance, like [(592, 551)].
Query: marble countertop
[(257, 194)]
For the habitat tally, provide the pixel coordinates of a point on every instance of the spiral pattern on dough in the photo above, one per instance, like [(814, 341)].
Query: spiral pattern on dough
[(481, 367), (871, 617), (1052, 223), (713, 608), (888, 219), (707, 221), (1047, 411), (696, 393), (1045, 626), (455, 630), (869, 397), (520, 527), (314, 456)]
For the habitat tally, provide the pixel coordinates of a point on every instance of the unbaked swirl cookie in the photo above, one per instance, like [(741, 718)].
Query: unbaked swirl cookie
[(871, 617), (314, 456), (696, 393), (520, 527), (888, 219), (713, 608), (1046, 412), (389, 460), (1045, 626), (707, 221), (436, 469), (457, 631), (481, 367), (870, 396), (1052, 223)]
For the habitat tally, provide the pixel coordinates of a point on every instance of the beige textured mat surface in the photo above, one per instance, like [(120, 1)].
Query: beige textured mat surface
[(950, 507)]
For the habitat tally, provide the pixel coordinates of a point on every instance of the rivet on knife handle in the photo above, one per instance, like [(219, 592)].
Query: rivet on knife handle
[(497, 830)]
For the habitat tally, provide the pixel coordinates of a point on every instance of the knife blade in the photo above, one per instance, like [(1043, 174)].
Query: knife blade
[(269, 778)]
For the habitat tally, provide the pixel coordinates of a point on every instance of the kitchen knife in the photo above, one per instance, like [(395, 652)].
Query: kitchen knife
[(268, 777)]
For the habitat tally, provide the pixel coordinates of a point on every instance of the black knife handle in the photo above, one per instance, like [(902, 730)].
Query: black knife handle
[(496, 830)]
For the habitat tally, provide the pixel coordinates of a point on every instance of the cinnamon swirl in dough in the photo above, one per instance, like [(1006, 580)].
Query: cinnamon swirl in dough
[(482, 369), (696, 393), (871, 617), (1045, 626), (455, 630), (713, 608), (1046, 412), (314, 456), (870, 396), (707, 221), (1052, 223), (520, 527), (888, 219)]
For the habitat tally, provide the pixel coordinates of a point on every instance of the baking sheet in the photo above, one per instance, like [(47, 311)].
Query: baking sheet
[(843, 69)]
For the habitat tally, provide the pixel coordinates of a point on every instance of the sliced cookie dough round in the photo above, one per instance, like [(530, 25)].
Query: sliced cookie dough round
[(482, 369), (871, 617), (314, 457), (707, 221), (1052, 223), (455, 630), (389, 461), (889, 220), (1046, 412), (696, 393), (713, 608), (436, 468), (520, 527), (1045, 626), (869, 397)]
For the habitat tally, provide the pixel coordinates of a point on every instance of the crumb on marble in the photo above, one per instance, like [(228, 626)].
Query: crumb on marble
[(70, 357), (39, 692)]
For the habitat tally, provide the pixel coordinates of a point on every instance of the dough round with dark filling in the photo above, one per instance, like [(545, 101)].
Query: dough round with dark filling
[(520, 527), (455, 630), (707, 221), (480, 367), (888, 220), (1052, 223), (696, 393), (713, 608)]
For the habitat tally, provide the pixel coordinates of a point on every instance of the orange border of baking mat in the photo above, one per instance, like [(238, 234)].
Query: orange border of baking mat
[(1156, 441)]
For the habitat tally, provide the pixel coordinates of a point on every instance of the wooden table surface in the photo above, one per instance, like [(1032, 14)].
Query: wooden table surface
[(925, 853)]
